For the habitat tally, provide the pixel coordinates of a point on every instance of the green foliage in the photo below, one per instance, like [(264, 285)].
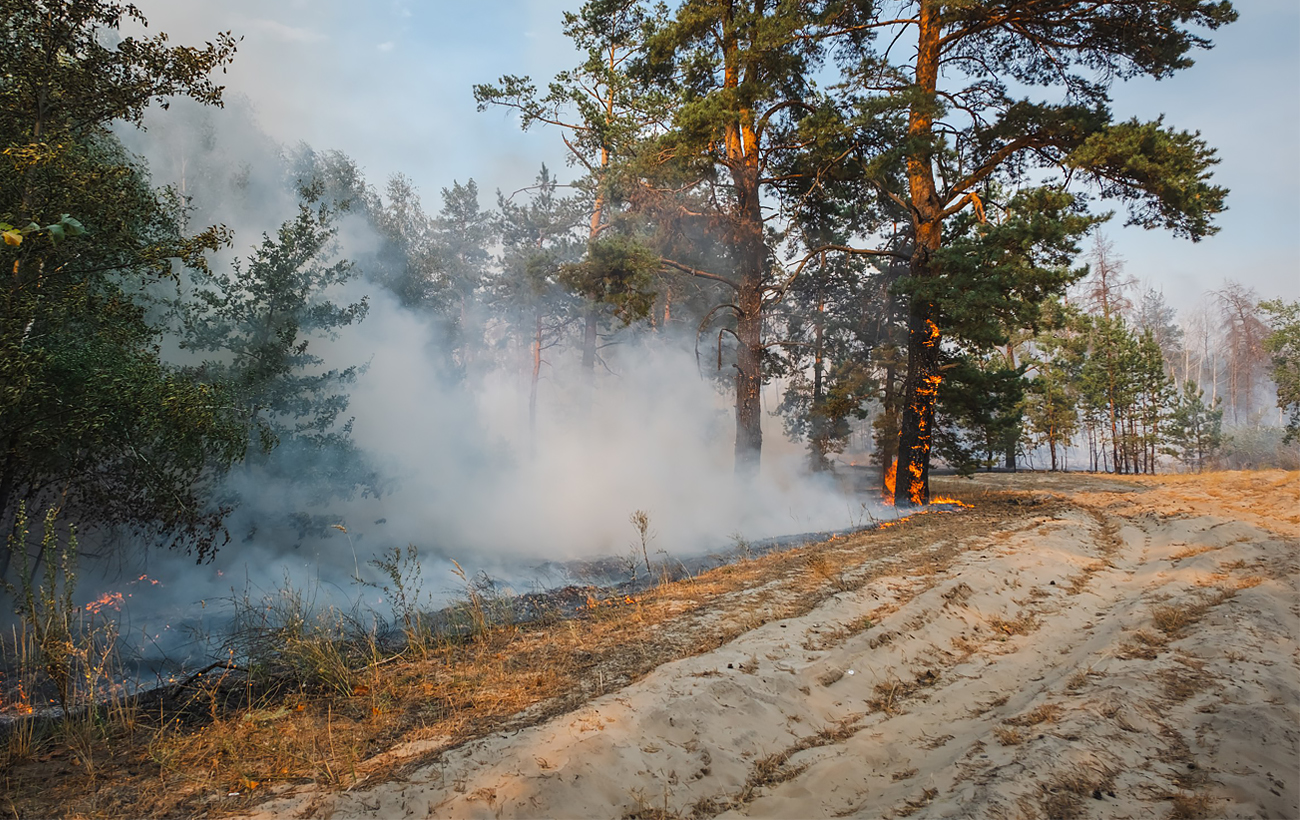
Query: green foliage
[(539, 242), (88, 412), (1162, 173), (992, 276), (45, 607), (980, 411), (1195, 428), (1283, 345), (402, 588), (617, 271), (261, 318)]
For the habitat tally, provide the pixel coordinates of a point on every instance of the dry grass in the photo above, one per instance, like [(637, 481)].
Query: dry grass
[(1191, 806), (1191, 551), (775, 769), (1020, 625), (1008, 736), (1174, 619), (222, 734), (1144, 645), (1043, 713)]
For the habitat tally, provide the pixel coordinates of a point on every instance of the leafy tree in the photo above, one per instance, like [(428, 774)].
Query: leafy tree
[(967, 127), (1283, 346), (1195, 428), (90, 417)]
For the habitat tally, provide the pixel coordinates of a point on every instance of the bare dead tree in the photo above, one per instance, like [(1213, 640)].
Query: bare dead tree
[(1244, 331)]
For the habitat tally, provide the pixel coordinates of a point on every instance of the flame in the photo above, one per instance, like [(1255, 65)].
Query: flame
[(943, 499), (594, 603), (113, 599), (889, 482), (22, 704), (915, 485)]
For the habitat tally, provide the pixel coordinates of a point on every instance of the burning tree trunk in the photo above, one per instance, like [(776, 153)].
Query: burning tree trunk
[(920, 391)]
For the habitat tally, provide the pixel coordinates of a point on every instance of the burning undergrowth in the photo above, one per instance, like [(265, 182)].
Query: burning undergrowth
[(314, 694)]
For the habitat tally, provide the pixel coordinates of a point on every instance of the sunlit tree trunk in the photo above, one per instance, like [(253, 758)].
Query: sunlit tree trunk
[(920, 391)]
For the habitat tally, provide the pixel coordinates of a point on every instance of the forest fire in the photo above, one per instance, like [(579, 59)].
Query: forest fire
[(595, 603), (115, 600), (108, 599), (889, 482), (20, 704), (916, 485)]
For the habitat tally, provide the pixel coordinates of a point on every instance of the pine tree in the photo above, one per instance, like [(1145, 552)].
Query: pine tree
[(1195, 428), (968, 128), (748, 136), (261, 319), (538, 241), (1283, 346), (600, 112)]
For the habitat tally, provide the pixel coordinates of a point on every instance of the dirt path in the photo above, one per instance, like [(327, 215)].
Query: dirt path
[(1131, 650)]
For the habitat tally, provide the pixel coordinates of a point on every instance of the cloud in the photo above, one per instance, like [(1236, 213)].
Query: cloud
[(287, 33), (386, 46)]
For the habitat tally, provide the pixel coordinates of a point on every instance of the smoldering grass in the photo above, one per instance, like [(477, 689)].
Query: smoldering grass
[(274, 718)]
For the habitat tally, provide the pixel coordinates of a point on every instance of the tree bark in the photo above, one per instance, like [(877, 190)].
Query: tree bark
[(742, 158), (912, 476), (532, 392)]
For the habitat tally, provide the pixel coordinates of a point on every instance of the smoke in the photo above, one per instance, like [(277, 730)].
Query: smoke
[(466, 478)]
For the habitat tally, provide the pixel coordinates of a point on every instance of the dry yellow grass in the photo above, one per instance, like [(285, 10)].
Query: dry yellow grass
[(223, 737)]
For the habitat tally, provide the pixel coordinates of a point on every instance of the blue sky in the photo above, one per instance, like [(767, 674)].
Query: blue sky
[(389, 84)]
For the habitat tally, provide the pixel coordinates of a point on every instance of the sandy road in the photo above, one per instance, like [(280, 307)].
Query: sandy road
[(1131, 650)]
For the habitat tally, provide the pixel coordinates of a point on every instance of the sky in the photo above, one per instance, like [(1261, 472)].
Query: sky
[(390, 84)]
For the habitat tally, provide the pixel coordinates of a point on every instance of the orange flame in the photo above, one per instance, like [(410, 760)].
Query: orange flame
[(915, 486), (113, 599), (932, 334), (593, 603), (889, 482), (943, 499), (22, 704)]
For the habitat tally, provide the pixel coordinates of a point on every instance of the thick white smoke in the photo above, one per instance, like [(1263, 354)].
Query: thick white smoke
[(466, 478)]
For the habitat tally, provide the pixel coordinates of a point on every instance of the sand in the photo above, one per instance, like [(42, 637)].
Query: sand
[(1123, 649)]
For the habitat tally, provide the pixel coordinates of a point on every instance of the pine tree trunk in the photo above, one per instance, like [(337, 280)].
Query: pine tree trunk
[(532, 392), (589, 337), (819, 432), (749, 429), (889, 431), (741, 147), (912, 476)]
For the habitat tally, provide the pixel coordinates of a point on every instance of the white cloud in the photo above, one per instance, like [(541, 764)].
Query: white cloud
[(288, 34), (386, 46)]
